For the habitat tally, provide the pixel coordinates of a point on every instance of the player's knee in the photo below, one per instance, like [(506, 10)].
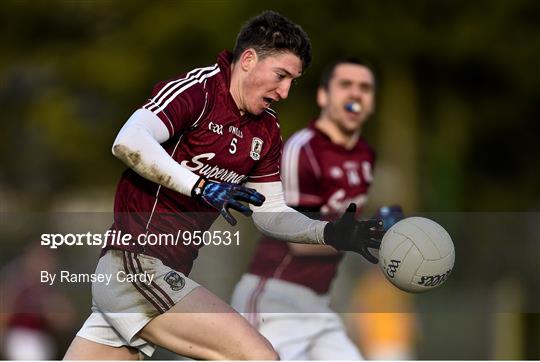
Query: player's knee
[(266, 354), (263, 352), (256, 349)]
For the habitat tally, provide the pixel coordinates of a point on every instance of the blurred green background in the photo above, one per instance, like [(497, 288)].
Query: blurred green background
[(456, 127)]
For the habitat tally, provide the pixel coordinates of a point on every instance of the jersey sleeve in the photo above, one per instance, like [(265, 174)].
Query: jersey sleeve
[(268, 168), (179, 103), (300, 172)]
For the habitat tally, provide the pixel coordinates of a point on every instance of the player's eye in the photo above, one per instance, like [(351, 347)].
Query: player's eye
[(344, 84), (366, 87), (280, 76)]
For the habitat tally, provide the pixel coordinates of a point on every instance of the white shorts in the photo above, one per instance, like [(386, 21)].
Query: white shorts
[(139, 288), (298, 322)]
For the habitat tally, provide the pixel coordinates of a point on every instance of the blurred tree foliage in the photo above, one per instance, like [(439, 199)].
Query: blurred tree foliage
[(461, 76)]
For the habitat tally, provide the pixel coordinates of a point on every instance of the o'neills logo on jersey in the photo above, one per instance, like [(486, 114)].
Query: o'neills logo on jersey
[(198, 165), (256, 148)]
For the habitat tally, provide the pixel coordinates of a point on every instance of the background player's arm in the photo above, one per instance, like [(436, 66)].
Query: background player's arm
[(138, 146)]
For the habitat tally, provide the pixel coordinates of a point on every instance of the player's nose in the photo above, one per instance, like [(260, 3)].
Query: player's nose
[(283, 90), (356, 93)]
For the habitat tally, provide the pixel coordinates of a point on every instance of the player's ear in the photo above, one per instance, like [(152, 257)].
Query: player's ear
[(322, 97), (248, 58)]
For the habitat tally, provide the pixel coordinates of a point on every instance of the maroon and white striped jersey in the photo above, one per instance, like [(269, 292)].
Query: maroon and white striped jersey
[(322, 176), (211, 138)]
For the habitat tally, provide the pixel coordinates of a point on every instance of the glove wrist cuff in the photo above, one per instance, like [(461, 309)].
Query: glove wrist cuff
[(198, 188), (328, 234)]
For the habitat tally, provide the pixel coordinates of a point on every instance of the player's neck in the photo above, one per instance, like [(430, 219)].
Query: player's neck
[(235, 90), (336, 134)]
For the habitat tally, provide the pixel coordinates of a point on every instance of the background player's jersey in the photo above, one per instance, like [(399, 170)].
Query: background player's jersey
[(321, 176), (211, 138)]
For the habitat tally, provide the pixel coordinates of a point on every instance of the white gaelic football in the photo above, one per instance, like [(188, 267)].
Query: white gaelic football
[(416, 254)]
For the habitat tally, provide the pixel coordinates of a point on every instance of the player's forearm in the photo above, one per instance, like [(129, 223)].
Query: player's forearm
[(136, 145), (290, 225), (274, 218)]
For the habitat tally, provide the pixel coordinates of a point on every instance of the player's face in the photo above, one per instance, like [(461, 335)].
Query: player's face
[(349, 83), (269, 80)]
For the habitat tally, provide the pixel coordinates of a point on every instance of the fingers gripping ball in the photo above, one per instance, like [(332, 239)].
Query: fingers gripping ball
[(417, 254)]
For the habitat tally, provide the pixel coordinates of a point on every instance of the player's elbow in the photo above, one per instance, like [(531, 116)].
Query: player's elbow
[(124, 152), (119, 148), (116, 149)]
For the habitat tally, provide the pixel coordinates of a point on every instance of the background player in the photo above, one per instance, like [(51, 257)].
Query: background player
[(325, 167), (194, 143), (34, 317)]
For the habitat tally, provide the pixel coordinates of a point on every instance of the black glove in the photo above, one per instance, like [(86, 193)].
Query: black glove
[(223, 196), (348, 234)]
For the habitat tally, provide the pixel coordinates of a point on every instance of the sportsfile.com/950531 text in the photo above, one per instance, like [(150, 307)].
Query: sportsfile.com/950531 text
[(115, 237)]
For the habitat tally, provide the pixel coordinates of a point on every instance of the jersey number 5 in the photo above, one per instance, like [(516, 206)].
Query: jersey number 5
[(232, 149)]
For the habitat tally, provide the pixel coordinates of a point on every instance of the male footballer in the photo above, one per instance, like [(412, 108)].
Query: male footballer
[(202, 144)]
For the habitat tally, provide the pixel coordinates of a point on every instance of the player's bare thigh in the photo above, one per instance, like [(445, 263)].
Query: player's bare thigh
[(202, 326), (84, 349)]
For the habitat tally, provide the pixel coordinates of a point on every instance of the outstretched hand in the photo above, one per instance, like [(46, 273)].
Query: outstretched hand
[(348, 234)]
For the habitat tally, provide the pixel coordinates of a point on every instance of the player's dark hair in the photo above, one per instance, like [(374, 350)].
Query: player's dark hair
[(270, 33), (328, 71)]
